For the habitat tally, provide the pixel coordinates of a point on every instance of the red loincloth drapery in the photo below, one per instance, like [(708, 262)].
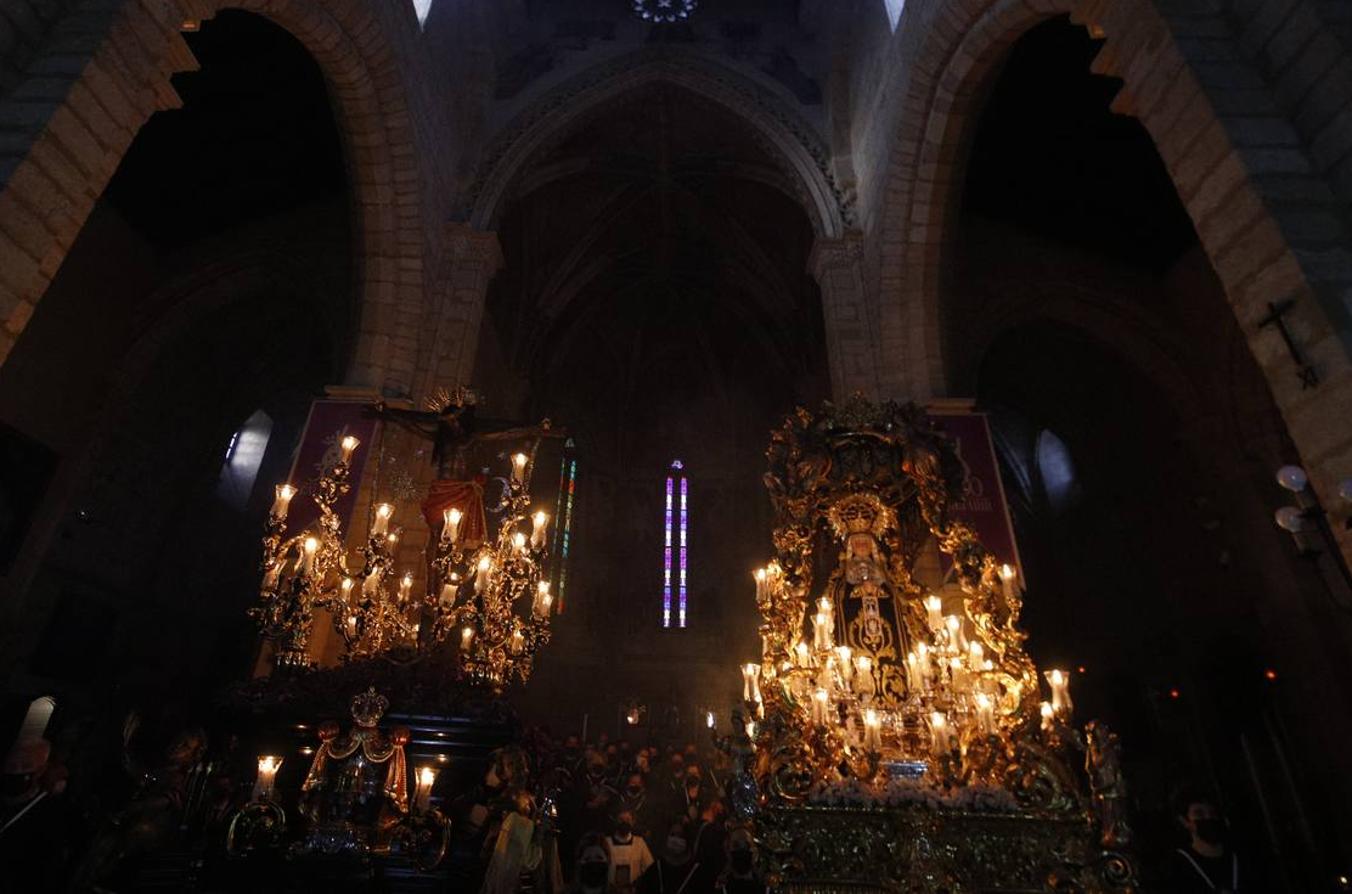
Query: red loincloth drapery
[(468, 497)]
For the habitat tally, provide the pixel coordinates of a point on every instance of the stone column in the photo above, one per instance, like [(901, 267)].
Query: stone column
[(837, 265), (472, 258)]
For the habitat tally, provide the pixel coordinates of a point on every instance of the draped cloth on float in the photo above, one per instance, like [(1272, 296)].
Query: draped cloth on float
[(377, 748), (870, 620), (468, 497)]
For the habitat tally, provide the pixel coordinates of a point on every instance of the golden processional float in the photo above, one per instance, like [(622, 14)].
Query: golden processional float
[(894, 735)]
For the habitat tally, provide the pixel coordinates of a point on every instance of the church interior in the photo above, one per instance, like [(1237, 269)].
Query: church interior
[(625, 446)]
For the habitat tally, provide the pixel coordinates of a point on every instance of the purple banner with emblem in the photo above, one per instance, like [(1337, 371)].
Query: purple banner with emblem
[(984, 507), (329, 422)]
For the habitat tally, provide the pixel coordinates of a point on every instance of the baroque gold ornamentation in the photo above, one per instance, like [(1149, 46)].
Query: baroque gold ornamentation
[(874, 690)]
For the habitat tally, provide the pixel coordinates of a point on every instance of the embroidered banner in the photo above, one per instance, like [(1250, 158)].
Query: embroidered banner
[(329, 421), (984, 507)]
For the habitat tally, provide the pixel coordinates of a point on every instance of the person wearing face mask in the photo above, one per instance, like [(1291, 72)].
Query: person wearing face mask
[(676, 866), (740, 876), (634, 798), (592, 873), (695, 795), (595, 797), (630, 857), (1207, 864)]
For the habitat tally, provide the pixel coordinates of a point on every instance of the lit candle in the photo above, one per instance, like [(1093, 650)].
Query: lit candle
[(451, 524), (801, 652), (448, 594), (914, 681), (519, 467), (519, 542), (822, 629), (956, 642), (311, 551), (820, 700), (1047, 715), (466, 636), (347, 446), (539, 522), (352, 626), (518, 642), (267, 777), (940, 741), (540, 608), (873, 730), (483, 571), (751, 682), (959, 676), (985, 714), (759, 576), (1007, 577), (346, 588), (709, 719), (863, 681), (934, 612), (281, 503), (1059, 681), (405, 587), (922, 661), (422, 794), (846, 665), (826, 678), (381, 525), (976, 656)]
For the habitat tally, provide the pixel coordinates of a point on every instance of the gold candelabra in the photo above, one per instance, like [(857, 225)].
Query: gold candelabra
[(893, 691), (491, 598)]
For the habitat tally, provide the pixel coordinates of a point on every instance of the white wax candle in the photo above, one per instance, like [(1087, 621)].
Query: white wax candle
[(519, 467), (934, 613), (380, 526), (281, 503), (347, 446), (939, 734), (422, 797), (267, 777), (539, 523)]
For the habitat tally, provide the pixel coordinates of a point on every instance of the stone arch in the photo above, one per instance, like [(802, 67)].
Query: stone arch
[(1259, 239), (791, 141), (80, 136)]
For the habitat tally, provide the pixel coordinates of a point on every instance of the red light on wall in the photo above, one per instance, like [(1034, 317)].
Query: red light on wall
[(1174, 693), (1270, 674)]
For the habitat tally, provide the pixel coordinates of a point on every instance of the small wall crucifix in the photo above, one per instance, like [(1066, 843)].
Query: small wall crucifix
[(1276, 316)]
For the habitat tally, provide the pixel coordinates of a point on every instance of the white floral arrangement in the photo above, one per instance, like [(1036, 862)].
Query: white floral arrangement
[(898, 791)]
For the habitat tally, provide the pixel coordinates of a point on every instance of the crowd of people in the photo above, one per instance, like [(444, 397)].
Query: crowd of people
[(547, 816), (608, 817)]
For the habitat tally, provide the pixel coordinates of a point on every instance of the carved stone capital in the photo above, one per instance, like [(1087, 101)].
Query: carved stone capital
[(829, 253), (469, 245)]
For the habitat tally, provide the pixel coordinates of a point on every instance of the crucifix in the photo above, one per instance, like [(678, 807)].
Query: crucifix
[(1276, 316)]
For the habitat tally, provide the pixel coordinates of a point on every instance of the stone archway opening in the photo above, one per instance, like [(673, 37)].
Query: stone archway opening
[(214, 278), (655, 298), (1076, 299)]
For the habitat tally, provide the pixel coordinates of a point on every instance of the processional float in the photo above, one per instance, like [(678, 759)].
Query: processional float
[(893, 736)]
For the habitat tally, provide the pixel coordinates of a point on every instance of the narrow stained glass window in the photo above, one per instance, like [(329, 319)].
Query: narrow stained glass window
[(674, 548), (563, 530)]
